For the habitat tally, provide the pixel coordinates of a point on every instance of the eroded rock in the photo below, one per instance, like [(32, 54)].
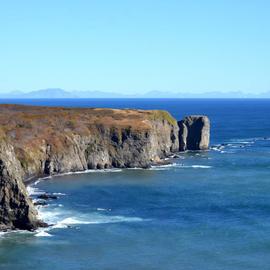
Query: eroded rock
[(16, 208), (47, 196), (194, 133)]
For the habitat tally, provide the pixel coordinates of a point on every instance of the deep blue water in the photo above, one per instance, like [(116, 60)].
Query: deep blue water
[(207, 211)]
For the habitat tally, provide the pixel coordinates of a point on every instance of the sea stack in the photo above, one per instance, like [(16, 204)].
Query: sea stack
[(194, 133)]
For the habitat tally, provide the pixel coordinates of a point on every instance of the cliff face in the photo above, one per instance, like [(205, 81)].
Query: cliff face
[(16, 209), (103, 147), (50, 141), (42, 141), (194, 133)]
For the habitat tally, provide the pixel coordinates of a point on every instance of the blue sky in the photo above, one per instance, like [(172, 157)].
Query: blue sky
[(135, 46)]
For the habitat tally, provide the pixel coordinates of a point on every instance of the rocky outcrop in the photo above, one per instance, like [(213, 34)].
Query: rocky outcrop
[(16, 211), (194, 133), (41, 141)]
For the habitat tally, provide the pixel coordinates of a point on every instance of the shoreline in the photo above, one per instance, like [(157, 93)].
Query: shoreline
[(32, 180), (75, 139)]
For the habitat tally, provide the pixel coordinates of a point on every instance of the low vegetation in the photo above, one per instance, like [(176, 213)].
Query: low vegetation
[(29, 126)]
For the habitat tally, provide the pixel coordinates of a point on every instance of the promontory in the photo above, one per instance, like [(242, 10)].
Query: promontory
[(41, 141)]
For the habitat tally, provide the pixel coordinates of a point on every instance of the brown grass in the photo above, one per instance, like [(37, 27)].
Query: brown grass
[(27, 126)]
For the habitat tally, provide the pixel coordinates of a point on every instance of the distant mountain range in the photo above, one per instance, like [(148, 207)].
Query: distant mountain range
[(61, 93)]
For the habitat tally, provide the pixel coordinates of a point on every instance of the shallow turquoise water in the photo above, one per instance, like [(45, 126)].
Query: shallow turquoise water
[(208, 210)]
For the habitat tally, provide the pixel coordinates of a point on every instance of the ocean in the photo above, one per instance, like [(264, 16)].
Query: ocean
[(206, 211)]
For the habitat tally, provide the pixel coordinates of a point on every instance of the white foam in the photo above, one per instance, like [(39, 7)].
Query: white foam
[(178, 165), (69, 221), (90, 171), (135, 168), (42, 178), (76, 172), (158, 169), (36, 182), (43, 234), (217, 148), (197, 166), (103, 209), (249, 140), (201, 166), (115, 219), (242, 142), (59, 194), (169, 165), (2, 234), (49, 215), (234, 144), (61, 218), (94, 219), (9, 232), (59, 225), (164, 165), (34, 191)]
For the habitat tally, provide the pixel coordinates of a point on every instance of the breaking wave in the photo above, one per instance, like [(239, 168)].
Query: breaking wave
[(43, 233), (78, 172), (34, 191), (59, 218), (179, 165), (91, 171), (163, 167), (198, 166)]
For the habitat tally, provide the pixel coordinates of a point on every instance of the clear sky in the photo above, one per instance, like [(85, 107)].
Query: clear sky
[(135, 46)]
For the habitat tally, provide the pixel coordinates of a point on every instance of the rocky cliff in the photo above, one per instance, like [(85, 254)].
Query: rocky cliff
[(41, 141), (194, 133), (16, 209)]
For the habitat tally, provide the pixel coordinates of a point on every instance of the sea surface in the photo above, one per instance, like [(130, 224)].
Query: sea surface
[(206, 211)]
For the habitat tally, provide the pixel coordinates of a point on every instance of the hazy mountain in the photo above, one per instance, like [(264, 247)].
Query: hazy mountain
[(61, 93), (100, 94), (43, 93), (49, 93)]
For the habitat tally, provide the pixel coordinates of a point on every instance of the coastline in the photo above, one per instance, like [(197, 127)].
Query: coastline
[(32, 180), (42, 142)]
